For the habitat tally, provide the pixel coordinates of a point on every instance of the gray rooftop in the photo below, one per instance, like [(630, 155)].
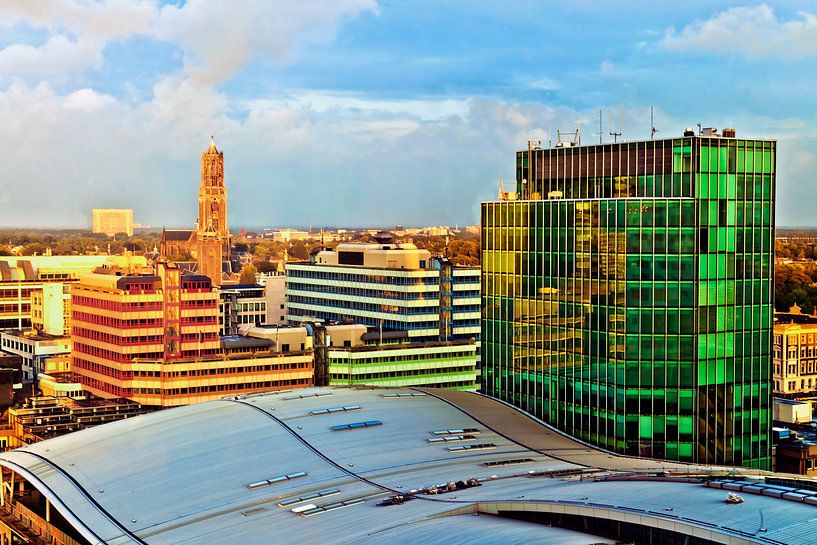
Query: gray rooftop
[(216, 472)]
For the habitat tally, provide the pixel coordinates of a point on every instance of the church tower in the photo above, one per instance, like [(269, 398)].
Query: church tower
[(211, 229)]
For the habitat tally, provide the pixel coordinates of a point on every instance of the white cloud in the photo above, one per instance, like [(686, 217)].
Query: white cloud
[(220, 38), (78, 34), (421, 109), (98, 20), (54, 59), (752, 31)]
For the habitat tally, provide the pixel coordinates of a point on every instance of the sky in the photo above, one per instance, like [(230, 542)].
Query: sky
[(373, 113)]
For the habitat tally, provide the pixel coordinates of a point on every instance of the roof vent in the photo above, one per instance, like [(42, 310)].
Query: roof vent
[(689, 132), (710, 131), (728, 133)]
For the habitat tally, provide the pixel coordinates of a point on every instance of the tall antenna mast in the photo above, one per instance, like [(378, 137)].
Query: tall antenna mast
[(601, 129), (653, 130)]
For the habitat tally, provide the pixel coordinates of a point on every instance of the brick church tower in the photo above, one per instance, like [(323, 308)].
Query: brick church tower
[(213, 237)]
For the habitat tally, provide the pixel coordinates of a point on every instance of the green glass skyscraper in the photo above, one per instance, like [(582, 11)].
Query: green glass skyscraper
[(627, 295)]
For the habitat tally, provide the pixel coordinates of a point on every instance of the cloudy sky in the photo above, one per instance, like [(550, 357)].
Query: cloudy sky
[(367, 112)]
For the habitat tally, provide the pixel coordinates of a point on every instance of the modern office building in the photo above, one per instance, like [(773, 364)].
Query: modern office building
[(112, 221), (627, 295), (152, 336), (354, 355), (444, 364), (240, 305), (386, 285)]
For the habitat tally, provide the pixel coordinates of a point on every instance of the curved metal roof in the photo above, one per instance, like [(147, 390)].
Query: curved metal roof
[(217, 472)]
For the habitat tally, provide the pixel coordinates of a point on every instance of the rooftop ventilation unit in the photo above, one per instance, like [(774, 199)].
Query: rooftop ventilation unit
[(710, 131), (728, 133), (689, 132)]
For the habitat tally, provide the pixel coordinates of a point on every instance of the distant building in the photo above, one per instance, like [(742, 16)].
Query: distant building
[(25, 276), (275, 296), (286, 235), (112, 221), (209, 242), (795, 353), (51, 309), (241, 305), (34, 348)]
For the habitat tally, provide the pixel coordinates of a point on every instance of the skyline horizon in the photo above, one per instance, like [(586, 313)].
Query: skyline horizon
[(359, 111)]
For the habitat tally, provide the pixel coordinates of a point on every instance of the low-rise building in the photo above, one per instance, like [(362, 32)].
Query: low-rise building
[(241, 305), (789, 411), (444, 364), (794, 365), (34, 348), (796, 456), (51, 309), (24, 276), (45, 417), (276, 297), (354, 355)]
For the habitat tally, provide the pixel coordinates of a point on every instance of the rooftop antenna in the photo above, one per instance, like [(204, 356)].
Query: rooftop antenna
[(615, 136), (601, 129), (653, 130), (576, 140)]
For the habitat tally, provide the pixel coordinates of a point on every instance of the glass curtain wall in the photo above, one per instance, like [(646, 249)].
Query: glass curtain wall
[(627, 296)]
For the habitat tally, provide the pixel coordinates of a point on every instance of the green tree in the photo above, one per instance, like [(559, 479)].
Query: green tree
[(247, 275)]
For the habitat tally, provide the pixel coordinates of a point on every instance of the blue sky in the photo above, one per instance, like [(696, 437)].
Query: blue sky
[(359, 112)]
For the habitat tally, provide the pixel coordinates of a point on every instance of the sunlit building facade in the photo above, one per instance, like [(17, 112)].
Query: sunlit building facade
[(112, 221), (627, 295), (153, 337), (385, 285)]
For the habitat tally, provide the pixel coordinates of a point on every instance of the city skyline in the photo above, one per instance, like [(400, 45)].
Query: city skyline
[(329, 110)]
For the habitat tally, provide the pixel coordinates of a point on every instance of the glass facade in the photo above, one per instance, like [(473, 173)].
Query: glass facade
[(627, 296)]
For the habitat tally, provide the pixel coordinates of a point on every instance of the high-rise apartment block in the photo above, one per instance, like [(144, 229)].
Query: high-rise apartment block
[(627, 295), (112, 221), (394, 287)]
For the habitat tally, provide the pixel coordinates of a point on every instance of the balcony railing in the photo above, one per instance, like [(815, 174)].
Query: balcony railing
[(33, 527)]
